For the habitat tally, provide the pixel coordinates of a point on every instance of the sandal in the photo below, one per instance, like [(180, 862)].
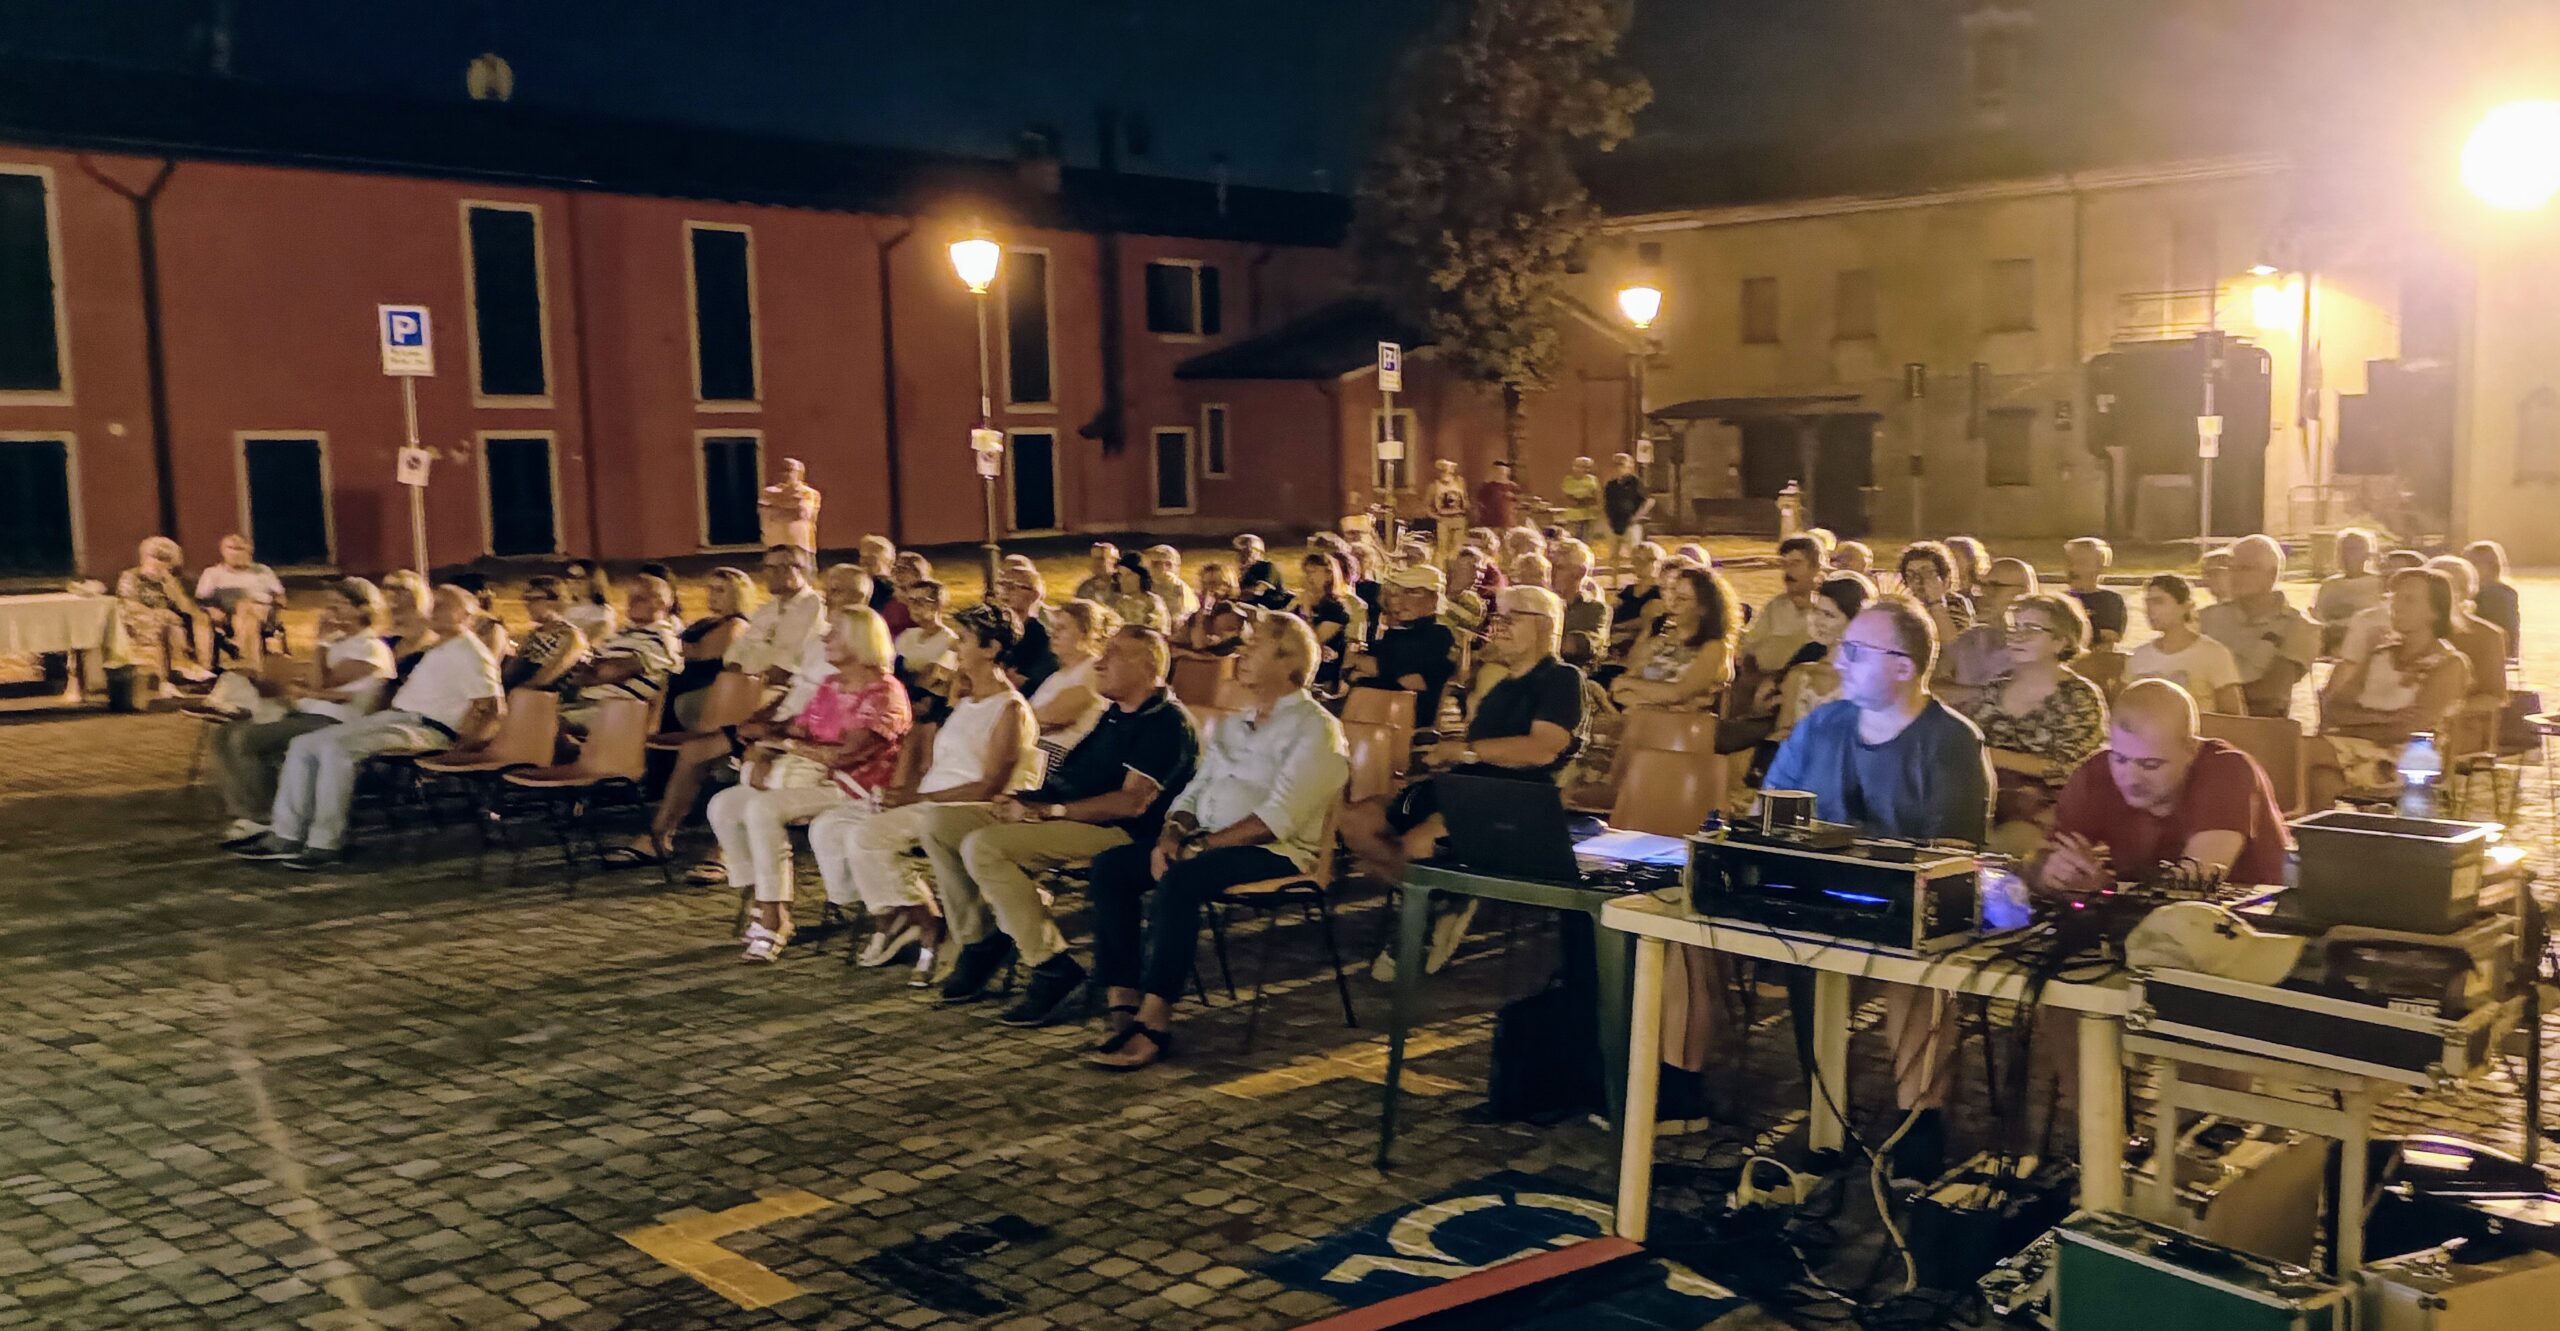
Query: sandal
[(1120, 1027), (631, 857), (1115, 1057)]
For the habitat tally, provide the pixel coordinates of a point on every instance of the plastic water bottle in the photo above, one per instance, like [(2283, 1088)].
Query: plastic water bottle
[(2421, 767)]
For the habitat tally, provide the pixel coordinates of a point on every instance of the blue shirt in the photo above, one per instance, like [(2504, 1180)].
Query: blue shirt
[(1931, 781)]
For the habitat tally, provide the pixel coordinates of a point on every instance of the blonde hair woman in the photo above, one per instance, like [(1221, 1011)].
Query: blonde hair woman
[(1069, 703), (730, 597), (841, 749)]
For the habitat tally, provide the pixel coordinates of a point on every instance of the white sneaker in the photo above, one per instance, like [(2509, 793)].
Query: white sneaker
[(1446, 933), (242, 831), (1383, 970), (885, 944)]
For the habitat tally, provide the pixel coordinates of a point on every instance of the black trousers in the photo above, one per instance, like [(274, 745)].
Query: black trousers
[(1120, 885)]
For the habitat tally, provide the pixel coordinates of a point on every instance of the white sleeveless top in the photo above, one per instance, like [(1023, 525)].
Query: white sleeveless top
[(960, 747)]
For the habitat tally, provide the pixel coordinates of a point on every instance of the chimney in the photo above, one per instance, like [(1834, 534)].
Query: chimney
[(1035, 160)]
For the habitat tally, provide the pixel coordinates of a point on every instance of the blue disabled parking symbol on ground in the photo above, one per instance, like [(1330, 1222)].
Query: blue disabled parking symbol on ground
[(1486, 1223)]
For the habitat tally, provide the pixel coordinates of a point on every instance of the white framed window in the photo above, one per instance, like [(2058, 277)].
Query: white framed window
[(1214, 443), (1171, 469), (1185, 300), (728, 477), (41, 532), (507, 304), (519, 492), (720, 301), (1400, 425), (1031, 483), (35, 321), (285, 507), (1030, 341)]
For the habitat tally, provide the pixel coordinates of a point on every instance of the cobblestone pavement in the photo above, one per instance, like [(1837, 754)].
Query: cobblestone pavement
[(405, 1095)]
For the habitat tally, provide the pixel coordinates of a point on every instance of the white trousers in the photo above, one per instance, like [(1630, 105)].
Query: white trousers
[(754, 827), (874, 851), (318, 782)]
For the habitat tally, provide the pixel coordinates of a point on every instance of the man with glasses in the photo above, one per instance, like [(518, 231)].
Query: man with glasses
[(1980, 654), (1894, 762), (2272, 642), (1417, 653), (2161, 794), (779, 632), (1777, 633)]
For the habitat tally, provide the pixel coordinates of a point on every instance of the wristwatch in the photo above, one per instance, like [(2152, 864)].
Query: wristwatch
[(1468, 756), (1052, 812)]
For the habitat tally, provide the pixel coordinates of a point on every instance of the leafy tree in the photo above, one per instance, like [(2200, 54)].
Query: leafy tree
[(1470, 209)]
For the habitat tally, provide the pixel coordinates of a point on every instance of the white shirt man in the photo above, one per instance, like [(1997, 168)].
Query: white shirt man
[(780, 633)]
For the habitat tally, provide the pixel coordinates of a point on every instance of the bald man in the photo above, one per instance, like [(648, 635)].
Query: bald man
[(1980, 654), (2159, 793)]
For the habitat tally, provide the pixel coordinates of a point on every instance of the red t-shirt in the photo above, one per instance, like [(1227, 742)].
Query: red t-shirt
[(1494, 504), (2226, 792)]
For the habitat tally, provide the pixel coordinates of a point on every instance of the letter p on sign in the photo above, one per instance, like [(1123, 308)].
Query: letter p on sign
[(407, 346)]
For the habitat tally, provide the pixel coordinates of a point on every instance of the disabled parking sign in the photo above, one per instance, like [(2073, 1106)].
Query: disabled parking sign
[(407, 346)]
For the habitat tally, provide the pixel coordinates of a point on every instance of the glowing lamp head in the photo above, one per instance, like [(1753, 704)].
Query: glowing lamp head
[(1641, 303), (975, 259), (2512, 160)]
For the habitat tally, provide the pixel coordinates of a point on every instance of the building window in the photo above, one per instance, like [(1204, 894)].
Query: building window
[(1392, 473), (30, 287), (1173, 470), (1853, 305), (1031, 470), (39, 506), (507, 344), (2008, 446), (1028, 371), (1213, 440), (284, 498), (2010, 295), (1759, 309), (1183, 298), (520, 488), (732, 481), (722, 272)]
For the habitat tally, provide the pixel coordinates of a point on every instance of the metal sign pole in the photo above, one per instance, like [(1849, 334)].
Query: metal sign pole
[(417, 493)]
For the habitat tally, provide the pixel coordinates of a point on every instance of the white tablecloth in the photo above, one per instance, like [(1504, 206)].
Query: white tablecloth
[(56, 622)]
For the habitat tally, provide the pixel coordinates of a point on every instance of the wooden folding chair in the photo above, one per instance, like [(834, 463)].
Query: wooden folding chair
[(1377, 759), (731, 697), (526, 737), (1661, 728), (2276, 742), (607, 771), (1196, 680), (1667, 793)]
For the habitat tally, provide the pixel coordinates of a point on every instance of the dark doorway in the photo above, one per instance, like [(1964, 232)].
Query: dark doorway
[(1772, 455), (288, 502), (522, 517), (732, 469), (1032, 459), (2149, 395), (1844, 466), (35, 509)]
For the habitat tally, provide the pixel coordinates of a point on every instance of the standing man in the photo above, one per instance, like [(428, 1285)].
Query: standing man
[(1624, 504), (1498, 499), (2270, 640), (450, 697), (2085, 559), (1581, 488), (1447, 502), (1894, 762), (1112, 789), (788, 509)]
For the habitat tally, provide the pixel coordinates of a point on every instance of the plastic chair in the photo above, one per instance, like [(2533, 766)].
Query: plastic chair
[(526, 738), (1667, 793), (1197, 680), (607, 771), (1377, 756), (1311, 893), (2276, 742), (1384, 707), (1676, 732)]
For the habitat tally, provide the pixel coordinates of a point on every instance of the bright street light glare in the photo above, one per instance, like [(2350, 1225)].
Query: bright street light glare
[(2270, 306), (1640, 303), (2512, 160), (975, 260)]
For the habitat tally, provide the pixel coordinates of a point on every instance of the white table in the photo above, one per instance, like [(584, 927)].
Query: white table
[(1661, 919), (88, 629)]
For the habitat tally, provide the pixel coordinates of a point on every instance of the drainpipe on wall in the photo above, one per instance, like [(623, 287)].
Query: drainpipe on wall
[(586, 375), (1106, 424), (155, 361), (881, 250), (1253, 288)]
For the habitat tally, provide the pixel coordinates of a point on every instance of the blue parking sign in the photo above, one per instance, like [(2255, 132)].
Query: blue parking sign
[(408, 346)]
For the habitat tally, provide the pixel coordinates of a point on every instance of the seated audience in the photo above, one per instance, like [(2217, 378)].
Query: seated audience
[(1638, 601), (1972, 565), (1812, 678), (1216, 627), (2039, 721), (2182, 655), (240, 598), (355, 667), (906, 569), (1927, 571), (407, 630), (2214, 571), (986, 746), (2160, 795), (2085, 559), (2495, 598), (1322, 603), (2404, 681), (877, 556), (1258, 580), (590, 600), (1417, 653), (1586, 611), (1164, 573), (159, 615), (547, 653), (1776, 634), (1025, 598), (1692, 555), (1100, 580), (1855, 557), (923, 651), (2271, 641), (450, 696), (1685, 662), (635, 663), (1111, 790), (486, 625), (1980, 654), (2352, 590), (838, 751), (705, 644), (1474, 580), (1256, 810), (2375, 620), (1070, 703), (2484, 646), (778, 633), (1133, 596)]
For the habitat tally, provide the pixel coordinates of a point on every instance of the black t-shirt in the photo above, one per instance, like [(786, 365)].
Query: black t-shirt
[(1548, 691), (2105, 610), (1633, 609), (1032, 657), (1272, 595), (1620, 497), (1158, 740), (1335, 611), (883, 592), (1423, 647)]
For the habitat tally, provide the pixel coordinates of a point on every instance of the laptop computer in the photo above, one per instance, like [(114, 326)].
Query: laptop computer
[(1520, 829)]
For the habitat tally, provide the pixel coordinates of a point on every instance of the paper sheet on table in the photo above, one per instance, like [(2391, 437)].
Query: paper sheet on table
[(1635, 848)]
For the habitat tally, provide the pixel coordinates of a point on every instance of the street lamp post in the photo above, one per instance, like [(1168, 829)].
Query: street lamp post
[(976, 259), (1641, 302)]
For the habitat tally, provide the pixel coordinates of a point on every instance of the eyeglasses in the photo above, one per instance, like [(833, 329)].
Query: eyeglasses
[(1852, 652), (2027, 628)]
